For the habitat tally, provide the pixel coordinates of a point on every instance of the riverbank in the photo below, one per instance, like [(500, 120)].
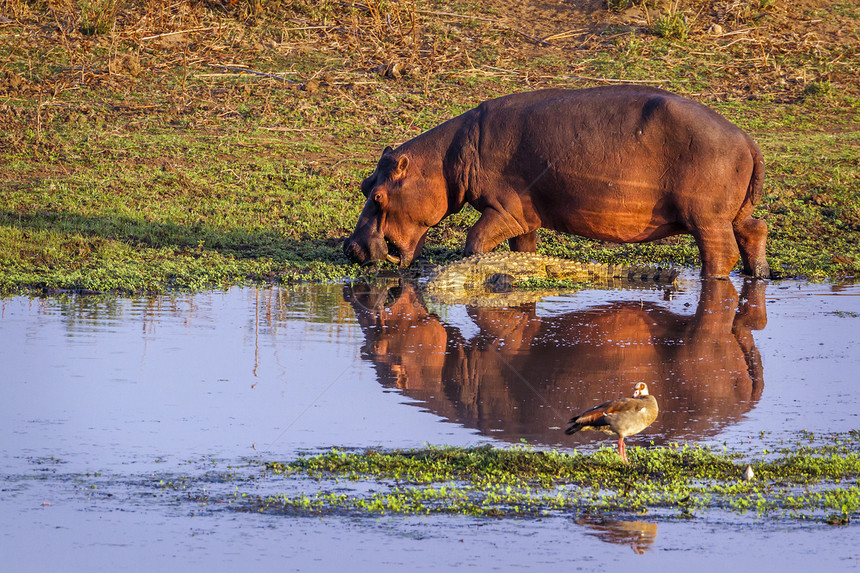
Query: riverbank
[(220, 142)]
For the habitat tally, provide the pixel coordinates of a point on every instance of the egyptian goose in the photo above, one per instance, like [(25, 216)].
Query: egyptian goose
[(621, 417)]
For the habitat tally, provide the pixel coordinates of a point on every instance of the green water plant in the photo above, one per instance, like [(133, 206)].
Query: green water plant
[(807, 482), (537, 283)]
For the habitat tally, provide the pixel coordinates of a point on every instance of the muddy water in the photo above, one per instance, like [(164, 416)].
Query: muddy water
[(104, 398)]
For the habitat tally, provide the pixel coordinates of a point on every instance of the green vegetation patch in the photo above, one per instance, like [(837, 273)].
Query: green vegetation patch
[(539, 283), (803, 482)]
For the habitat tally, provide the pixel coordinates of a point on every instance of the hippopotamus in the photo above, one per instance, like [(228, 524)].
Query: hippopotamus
[(621, 163)]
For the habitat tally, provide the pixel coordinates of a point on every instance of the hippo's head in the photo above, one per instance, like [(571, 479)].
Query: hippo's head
[(404, 199)]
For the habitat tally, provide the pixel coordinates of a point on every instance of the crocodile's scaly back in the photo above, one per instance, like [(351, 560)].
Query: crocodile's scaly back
[(475, 273)]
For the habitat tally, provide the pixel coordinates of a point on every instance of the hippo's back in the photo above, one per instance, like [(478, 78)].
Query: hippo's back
[(604, 114)]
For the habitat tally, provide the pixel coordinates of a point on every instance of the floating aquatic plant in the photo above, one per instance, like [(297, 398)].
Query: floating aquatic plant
[(800, 482)]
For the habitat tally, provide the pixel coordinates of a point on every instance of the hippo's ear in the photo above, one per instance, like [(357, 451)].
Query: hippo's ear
[(402, 165), (387, 150)]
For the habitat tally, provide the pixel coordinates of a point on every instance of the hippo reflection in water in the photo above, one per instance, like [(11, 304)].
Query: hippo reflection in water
[(522, 374)]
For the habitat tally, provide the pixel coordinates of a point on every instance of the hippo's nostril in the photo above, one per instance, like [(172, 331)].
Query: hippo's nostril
[(353, 251)]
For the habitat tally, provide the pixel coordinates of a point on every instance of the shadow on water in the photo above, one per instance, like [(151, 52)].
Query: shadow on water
[(523, 373)]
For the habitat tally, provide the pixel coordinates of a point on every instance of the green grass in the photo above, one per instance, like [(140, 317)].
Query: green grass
[(673, 26), (186, 221), (178, 178)]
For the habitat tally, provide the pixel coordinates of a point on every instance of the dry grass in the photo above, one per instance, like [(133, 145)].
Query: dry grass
[(765, 48)]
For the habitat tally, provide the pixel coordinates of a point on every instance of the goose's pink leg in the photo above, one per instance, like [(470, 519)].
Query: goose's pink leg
[(622, 450)]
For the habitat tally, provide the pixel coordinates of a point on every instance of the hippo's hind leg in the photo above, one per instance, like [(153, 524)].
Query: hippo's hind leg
[(524, 243), (751, 235), (717, 249)]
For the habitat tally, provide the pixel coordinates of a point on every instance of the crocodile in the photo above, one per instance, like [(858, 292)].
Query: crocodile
[(478, 278)]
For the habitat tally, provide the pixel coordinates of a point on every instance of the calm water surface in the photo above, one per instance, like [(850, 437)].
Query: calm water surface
[(105, 396)]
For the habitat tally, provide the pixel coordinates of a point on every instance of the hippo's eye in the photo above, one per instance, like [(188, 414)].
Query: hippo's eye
[(380, 198)]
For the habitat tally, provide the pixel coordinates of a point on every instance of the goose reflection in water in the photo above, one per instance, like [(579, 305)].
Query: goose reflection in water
[(522, 375), (640, 535)]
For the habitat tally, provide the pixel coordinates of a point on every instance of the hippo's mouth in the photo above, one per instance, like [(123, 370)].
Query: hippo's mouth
[(393, 255)]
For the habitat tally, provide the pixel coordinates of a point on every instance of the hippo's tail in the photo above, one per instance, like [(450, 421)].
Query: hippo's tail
[(756, 188)]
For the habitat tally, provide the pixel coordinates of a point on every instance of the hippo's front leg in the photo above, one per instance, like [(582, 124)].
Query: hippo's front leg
[(524, 243), (492, 228)]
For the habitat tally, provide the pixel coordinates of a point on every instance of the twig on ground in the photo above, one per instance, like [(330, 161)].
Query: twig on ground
[(311, 28), (501, 70), (286, 129), (180, 32), (744, 31), (735, 42), (249, 71), (613, 80), (532, 38), (565, 35), (463, 16)]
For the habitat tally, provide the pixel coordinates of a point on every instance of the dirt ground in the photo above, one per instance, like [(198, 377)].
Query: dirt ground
[(754, 48)]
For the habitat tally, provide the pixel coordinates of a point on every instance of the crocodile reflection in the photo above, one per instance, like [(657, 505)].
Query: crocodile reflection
[(522, 374)]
